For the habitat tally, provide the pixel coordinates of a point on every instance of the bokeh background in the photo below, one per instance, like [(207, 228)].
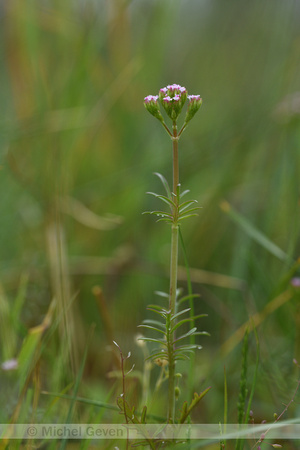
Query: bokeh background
[(78, 151)]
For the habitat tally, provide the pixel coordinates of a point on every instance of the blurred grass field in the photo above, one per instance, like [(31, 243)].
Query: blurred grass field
[(78, 152)]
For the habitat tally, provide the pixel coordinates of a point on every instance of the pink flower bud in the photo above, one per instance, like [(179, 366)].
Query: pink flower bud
[(151, 104), (195, 101)]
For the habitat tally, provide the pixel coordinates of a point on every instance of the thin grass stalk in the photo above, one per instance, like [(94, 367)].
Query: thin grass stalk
[(57, 254), (192, 313)]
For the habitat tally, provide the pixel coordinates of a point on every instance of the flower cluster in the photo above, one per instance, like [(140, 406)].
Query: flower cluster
[(151, 104), (195, 101), (173, 98)]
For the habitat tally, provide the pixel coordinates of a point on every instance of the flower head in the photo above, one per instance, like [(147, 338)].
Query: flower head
[(151, 104), (173, 98), (195, 101)]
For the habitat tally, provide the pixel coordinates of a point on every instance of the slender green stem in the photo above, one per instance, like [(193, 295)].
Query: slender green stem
[(167, 129), (173, 277), (175, 166)]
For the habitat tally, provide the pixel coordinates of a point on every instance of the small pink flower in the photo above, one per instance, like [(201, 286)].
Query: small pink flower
[(192, 98), (164, 90), (167, 99), (151, 98)]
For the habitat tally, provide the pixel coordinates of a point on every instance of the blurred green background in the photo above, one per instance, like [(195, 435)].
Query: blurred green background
[(78, 152)]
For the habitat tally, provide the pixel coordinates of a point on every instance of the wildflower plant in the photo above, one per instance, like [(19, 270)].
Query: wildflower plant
[(171, 345)]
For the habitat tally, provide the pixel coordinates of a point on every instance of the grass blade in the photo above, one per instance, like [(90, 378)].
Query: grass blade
[(253, 232)]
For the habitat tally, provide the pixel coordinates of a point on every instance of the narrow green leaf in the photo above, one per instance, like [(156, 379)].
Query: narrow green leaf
[(165, 184), (187, 217), (166, 200), (188, 347), (186, 205), (158, 213), (195, 401), (162, 314), (160, 308), (152, 328), (158, 341), (182, 357), (161, 355), (192, 331), (183, 352), (253, 232), (201, 333), (188, 211), (163, 198), (190, 319), (158, 312), (143, 415), (162, 214), (180, 313), (165, 220), (155, 322), (184, 193)]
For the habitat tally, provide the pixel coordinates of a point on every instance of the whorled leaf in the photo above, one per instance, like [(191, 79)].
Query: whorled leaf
[(163, 198), (186, 212), (174, 316), (190, 319), (152, 328), (160, 313), (158, 355), (189, 333), (186, 217), (165, 184), (158, 341), (186, 205), (158, 213), (183, 193), (188, 347), (154, 322)]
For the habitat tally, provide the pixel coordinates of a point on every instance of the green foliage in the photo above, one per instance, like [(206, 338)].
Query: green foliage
[(168, 327), (187, 409), (243, 381), (184, 210)]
